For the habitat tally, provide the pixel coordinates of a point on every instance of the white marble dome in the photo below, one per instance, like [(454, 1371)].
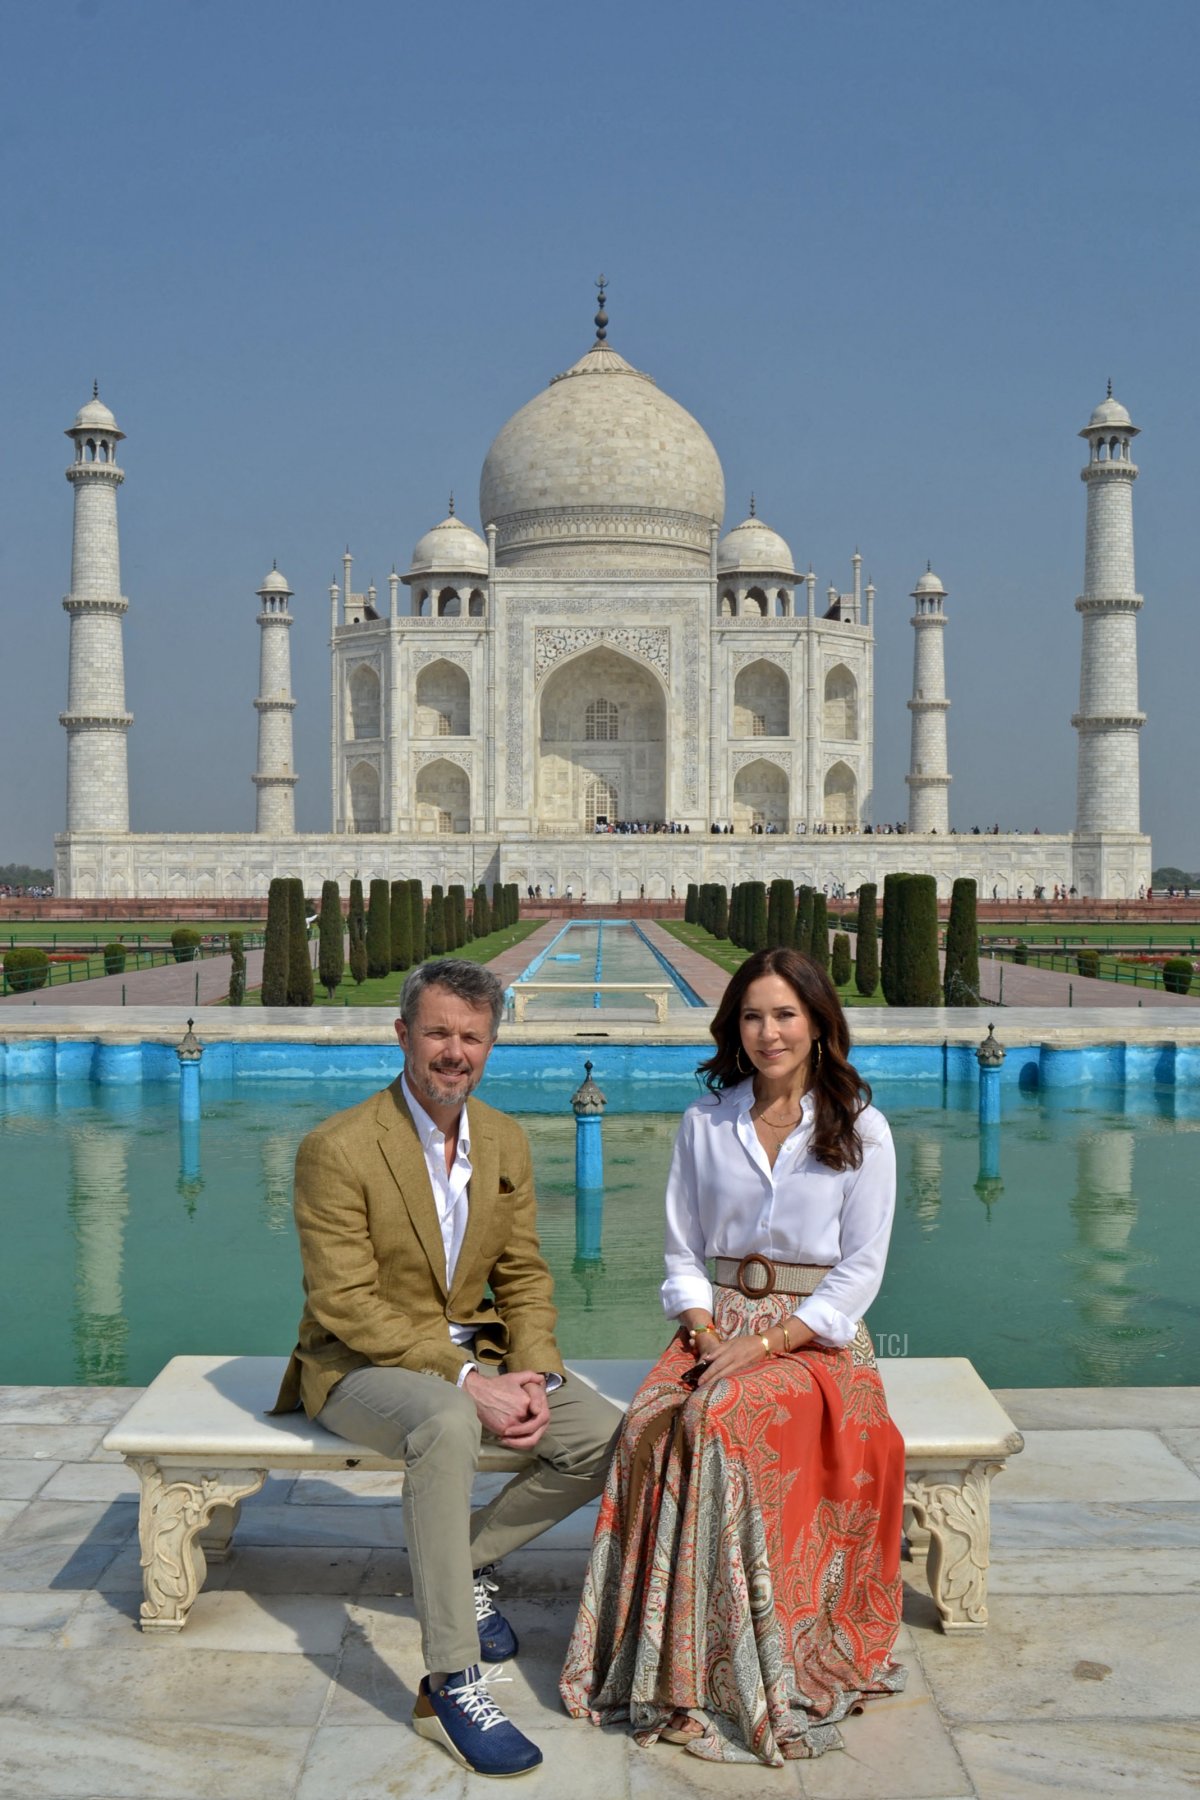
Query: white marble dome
[(95, 416), (450, 548), (1109, 412), (275, 582), (928, 584), (603, 460), (753, 547)]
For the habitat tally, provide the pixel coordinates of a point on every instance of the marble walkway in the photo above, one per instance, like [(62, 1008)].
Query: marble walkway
[(294, 1678)]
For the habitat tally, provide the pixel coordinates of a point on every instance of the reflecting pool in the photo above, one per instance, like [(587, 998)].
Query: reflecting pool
[(1056, 1250)]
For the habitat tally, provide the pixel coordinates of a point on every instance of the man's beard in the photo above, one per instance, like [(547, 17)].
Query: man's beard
[(444, 1089)]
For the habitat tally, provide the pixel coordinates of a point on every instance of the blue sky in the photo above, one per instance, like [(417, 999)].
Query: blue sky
[(887, 254)]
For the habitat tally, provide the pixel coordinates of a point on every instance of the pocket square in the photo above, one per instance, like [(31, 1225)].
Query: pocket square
[(506, 1186)]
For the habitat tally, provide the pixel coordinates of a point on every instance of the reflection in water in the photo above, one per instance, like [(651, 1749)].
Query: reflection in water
[(988, 1184), (190, 1184), (588, 1264), (99, 1206), (1111, 1336), (278, 1163), (925, 1182)]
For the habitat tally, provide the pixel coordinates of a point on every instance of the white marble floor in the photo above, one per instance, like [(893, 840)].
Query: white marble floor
[(295, 1675)]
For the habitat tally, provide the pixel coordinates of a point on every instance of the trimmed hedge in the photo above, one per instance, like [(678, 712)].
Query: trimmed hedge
[(911, 976), (819, 943), (357, 925), (299, 975), (960, 980), (1087, 962), (331, 954), (275, 948), (481, 912), (781, 913), (840, 968), (399, 925), (1177, 975), (456, 915), (866, 949), (114, 959), (1020, 951), (379, 929), (237, 969), (185, 942), (689, 905), (437, 941), (416, 918), (802, 934), (27, 967)]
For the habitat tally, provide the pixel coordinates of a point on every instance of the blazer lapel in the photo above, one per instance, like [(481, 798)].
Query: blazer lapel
[(485, 1178), (405, 1158)]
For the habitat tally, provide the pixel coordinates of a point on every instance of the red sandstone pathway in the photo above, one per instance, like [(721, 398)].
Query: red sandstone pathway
[(703, 976), (508, 965), (171, 984), (1026, 985)]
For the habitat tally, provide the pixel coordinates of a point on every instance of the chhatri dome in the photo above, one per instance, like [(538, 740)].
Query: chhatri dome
[(95, 416), (753, 548), (602, 468), (450, 547)]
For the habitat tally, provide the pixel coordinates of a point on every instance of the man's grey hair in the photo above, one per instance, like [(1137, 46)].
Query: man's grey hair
[(466, 980)]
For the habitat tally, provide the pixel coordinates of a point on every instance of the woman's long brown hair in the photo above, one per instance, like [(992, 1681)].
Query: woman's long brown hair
[(839, 1093)]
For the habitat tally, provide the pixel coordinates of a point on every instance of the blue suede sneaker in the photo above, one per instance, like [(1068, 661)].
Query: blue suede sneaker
[(497, 1639), (462, 1716)]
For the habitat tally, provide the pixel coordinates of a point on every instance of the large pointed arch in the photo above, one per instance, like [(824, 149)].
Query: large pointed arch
[(602, 715), (364, 797), (443, 700), (365, 711), (760, 796), (841, 704), (841, 795), (761, 696), (443, 797)]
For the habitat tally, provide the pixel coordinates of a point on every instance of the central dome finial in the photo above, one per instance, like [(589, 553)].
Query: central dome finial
[(601, 320)]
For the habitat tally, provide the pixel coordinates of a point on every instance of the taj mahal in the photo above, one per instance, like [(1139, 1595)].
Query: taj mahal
[(604, 692)]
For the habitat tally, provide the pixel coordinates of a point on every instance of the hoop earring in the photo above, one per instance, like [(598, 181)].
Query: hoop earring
[(737, 1063), (816, 1054)]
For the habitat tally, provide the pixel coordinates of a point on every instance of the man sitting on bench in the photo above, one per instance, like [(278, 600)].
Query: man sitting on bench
[(410, 1207)]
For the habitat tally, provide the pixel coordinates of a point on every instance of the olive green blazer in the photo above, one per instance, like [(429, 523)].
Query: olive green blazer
[(375, 1267)]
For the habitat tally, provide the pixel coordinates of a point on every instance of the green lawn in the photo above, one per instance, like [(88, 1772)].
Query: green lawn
[(1143, 934), (93, 934), (385, 991), (728, 956)]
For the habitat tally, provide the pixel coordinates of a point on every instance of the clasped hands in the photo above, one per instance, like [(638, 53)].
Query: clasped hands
[(718, 1357), (512, 1407)]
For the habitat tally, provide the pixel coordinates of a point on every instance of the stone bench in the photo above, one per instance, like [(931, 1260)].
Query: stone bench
[(200, 1443)]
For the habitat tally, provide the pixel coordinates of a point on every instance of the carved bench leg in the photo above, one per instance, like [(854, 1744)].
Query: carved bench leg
[(953, 1505), (216, 1535), (916, 1536), (176, 1507)]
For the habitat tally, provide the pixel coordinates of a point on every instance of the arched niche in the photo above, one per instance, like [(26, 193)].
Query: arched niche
[(601, 690), (364, 797), (449, 604), (756, 604), (760, 796), (601, 802), (727, 604), (841, 704), (443, 701), (364, 702), (841, 795), (443, 797), (760, 701)]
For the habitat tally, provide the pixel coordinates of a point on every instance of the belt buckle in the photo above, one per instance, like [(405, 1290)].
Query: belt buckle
[(768, 1287)]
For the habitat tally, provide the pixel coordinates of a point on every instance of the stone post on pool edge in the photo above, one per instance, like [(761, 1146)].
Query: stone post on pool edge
[(189, 1050), (989, 1056), (588, 1104)]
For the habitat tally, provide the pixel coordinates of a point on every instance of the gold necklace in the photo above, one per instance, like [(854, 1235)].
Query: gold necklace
[(761, 1119)]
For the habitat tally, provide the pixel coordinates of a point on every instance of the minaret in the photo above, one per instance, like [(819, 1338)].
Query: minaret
[(928, 777), (95, 719), (275, 815), (1108, 720)]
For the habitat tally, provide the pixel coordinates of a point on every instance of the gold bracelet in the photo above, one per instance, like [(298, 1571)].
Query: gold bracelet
[(765, 1341), (787, 1342)]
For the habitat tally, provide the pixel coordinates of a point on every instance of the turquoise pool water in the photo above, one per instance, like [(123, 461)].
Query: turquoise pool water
[(1059, 1252), (609, 950)]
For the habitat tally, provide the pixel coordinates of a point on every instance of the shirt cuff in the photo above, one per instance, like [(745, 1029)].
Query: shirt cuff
[(468, 1368), (827, 1324), (553, 1380)]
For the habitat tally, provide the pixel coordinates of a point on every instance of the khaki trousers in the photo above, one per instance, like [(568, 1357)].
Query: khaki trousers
[(436, 1430)]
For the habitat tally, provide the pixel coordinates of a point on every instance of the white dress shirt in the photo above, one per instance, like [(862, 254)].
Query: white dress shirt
[(724, 1199), (451, 1200)]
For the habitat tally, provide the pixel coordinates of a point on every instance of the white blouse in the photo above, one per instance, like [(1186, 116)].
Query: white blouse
[(724, 1199)]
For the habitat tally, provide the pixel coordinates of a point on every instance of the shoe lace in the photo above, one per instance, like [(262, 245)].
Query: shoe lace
[(485, 1587), (473, 1699)]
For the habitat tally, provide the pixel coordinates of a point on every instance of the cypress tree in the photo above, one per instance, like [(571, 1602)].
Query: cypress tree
[(482, 912), (961, 976), (781, 913), (514, 903), (757, 901), (738, 933), (299, 975), (437, 922), (399, 931), (357, 923), (416, 919), (379, 930), (720, 926), (891, 936), (839, 968), (275, 948), (456, 915), (913, 971), (819, 946), (331, 955), (802, 935), (237, 969), (866, 951), (689, 905)]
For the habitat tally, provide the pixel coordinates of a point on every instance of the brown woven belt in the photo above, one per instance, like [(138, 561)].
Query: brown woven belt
[(756, 1275)]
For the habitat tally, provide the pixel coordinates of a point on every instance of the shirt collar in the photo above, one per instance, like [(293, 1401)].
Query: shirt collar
[(427, 1129), (741, 1099)]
